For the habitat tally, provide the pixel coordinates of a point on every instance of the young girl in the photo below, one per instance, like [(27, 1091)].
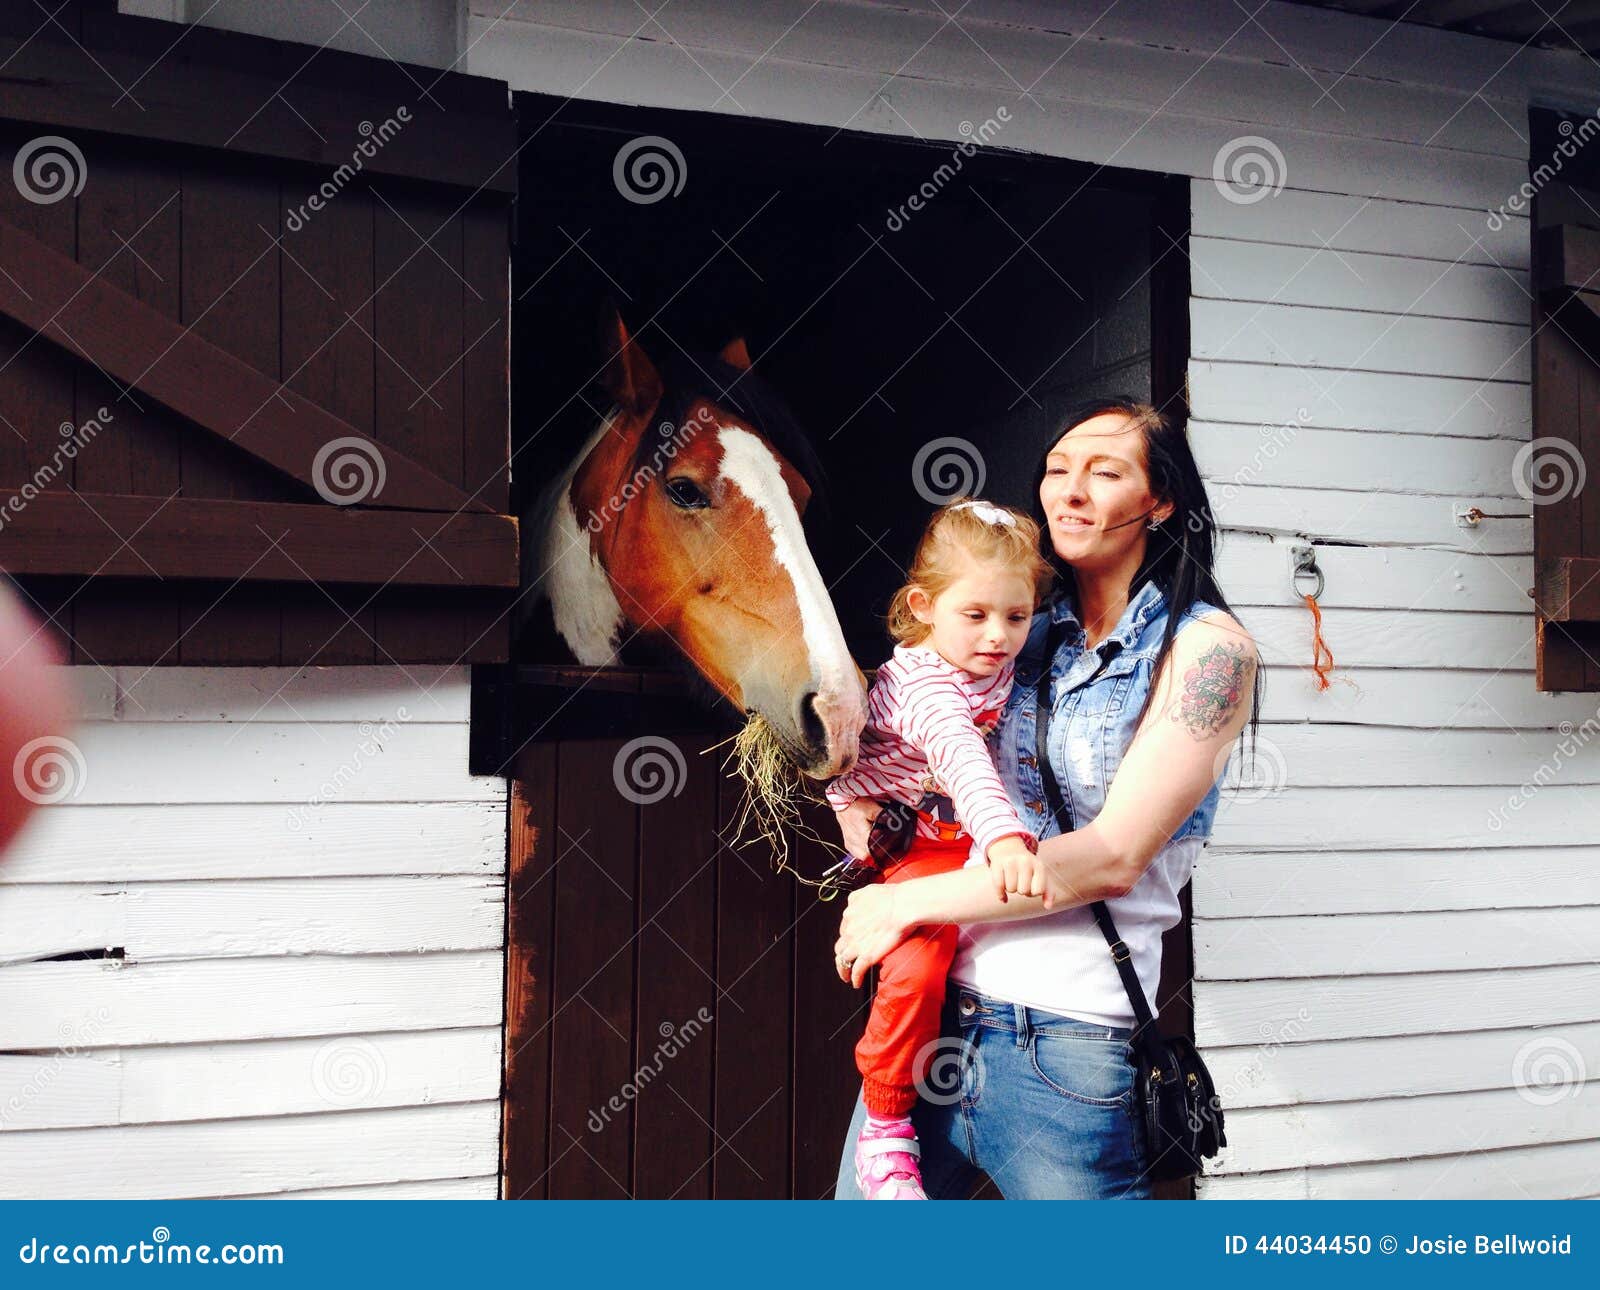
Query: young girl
[(960, 622)]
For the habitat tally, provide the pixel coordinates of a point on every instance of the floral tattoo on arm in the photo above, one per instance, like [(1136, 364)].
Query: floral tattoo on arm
[(1212, 688)]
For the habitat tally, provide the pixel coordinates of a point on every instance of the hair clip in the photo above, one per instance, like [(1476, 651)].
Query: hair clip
[(988, 513)]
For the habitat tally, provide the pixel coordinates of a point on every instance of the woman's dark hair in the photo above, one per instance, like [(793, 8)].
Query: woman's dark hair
[(1178, 554)]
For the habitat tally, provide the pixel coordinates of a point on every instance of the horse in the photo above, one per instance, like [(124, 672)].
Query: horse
[(680, 522)]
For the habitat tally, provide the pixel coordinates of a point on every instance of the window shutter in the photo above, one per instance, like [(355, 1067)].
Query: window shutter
[(1560, 471)]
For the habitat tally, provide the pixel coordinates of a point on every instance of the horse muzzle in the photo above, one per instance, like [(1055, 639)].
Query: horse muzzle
[(828, 727)]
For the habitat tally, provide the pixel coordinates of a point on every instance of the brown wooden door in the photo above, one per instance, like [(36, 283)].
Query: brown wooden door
[(674, 1028)]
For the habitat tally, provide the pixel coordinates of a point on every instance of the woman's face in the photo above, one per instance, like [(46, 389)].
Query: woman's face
[(1096, 494)]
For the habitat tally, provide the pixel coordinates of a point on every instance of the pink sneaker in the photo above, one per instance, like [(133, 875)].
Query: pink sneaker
[(886, 1166)]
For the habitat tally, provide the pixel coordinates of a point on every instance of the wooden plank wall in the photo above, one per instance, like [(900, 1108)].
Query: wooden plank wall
[(1397, 938), (258, 952), (1359, 367), (675, 1029)]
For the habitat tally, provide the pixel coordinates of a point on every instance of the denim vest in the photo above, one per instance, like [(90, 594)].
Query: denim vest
[(1098, 695)]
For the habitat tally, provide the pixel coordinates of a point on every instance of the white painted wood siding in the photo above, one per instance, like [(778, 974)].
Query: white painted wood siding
[(1360, 365), (304, 892)]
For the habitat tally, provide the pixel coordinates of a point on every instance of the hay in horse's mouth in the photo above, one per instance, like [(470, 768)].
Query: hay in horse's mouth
[(773, 792)]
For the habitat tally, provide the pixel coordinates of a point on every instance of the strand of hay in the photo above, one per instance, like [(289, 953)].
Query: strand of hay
[(774, 790)]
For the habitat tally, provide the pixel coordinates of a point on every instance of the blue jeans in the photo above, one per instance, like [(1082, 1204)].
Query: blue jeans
[(1041, 1103)]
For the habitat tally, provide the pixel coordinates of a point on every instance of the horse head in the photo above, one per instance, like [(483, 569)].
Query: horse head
[(681, 521)]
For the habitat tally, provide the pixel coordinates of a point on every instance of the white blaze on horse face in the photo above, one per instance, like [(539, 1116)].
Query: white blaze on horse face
[(582, 603), (749, 464)]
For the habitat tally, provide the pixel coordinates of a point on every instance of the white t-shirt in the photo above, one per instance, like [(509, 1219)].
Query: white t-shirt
[(1060, 962)]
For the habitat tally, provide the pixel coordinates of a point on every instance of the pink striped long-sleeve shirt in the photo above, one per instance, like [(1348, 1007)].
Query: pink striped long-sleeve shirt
[(926, 726)]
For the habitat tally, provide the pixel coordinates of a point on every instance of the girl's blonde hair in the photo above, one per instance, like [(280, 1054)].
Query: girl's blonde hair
[(968, 530)]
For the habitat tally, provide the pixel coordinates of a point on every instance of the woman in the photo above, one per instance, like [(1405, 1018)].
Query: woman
[(1153, 681)]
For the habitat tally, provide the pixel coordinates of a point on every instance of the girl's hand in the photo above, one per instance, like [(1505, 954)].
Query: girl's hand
[(855, 823), (872, 926), (1014, 868)]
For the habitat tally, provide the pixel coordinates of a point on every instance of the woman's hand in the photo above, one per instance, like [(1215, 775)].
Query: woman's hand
[(873, 924), (855, 823)]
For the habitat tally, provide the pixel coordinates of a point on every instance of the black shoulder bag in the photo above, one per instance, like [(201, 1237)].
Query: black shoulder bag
[(1176, 1100)]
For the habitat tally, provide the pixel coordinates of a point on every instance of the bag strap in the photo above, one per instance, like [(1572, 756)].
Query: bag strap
[(1121, 955)]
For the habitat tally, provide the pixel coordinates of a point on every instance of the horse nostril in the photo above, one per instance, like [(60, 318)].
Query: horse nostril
[(812, 728)]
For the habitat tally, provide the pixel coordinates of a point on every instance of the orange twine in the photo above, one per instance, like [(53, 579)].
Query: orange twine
[(1321, 655)]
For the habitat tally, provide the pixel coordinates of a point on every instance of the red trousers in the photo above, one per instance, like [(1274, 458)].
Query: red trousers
[(894, 1053)]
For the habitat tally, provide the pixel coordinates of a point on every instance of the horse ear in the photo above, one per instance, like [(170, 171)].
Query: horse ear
[(734, 354), (631, 378)]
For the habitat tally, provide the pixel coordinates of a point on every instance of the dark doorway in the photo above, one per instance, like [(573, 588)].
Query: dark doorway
[(963, 319), (1021, 284)]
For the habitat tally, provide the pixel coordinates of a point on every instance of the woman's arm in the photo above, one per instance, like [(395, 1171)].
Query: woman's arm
[(878, 918), (1202, 702)]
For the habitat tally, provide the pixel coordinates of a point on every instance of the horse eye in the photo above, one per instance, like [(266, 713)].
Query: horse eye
[(685, 493)]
